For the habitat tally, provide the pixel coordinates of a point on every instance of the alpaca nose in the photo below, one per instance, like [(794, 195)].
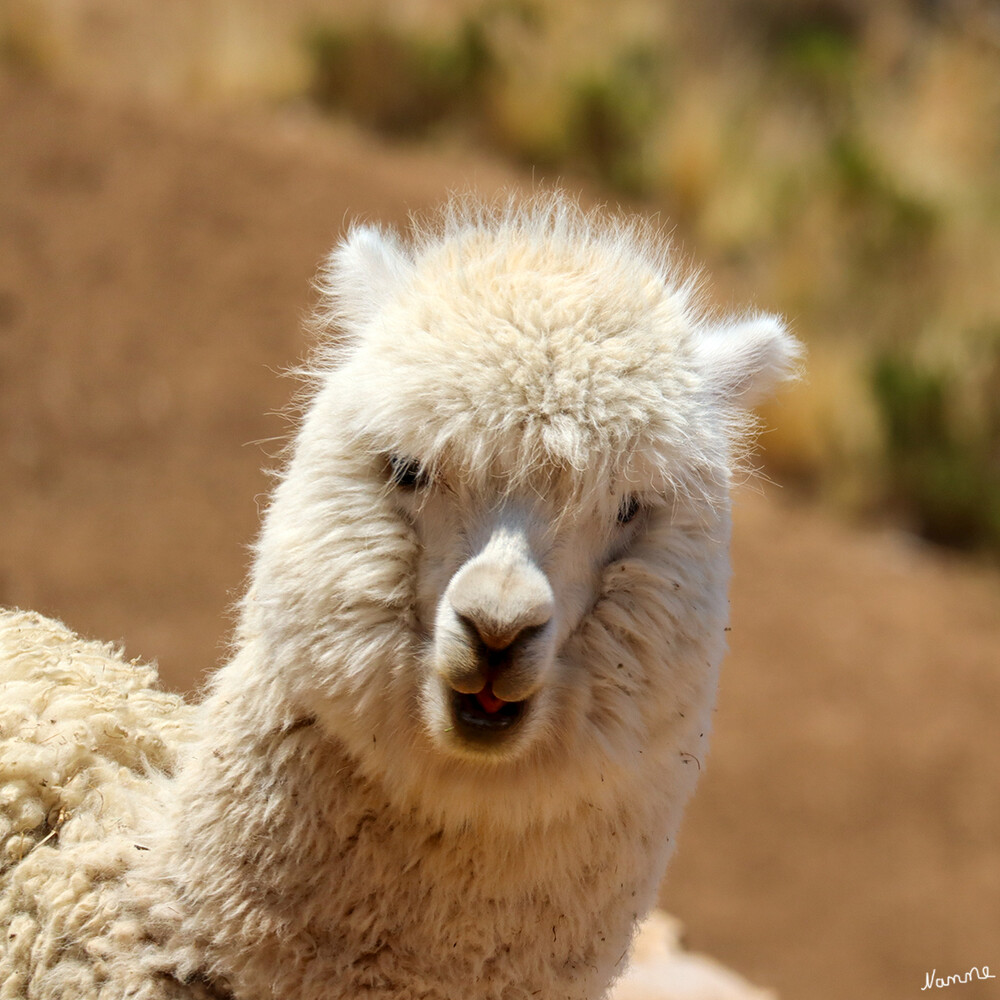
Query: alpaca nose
[(501, 605), (502, 591), (500, 599)]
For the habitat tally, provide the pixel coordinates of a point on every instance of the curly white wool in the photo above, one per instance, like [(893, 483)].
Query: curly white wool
[(84, 739)]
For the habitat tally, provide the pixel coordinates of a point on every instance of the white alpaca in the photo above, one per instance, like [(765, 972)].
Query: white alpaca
[(477, 657)]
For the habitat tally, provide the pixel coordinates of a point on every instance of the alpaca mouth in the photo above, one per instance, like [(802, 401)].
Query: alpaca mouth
[(483, 716)]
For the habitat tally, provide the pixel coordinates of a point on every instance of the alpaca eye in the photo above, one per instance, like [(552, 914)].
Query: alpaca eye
[(407, 472), (628, 509)]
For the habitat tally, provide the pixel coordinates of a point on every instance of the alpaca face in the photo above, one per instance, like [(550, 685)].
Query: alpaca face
[(501, 585), (498, 558)]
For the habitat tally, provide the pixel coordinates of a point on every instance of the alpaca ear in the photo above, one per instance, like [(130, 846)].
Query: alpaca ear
[(743, 361), (361, 274)]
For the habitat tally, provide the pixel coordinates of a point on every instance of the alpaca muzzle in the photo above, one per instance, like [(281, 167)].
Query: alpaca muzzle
[(494, 635)]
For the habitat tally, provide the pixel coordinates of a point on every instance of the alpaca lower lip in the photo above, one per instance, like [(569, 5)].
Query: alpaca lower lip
[(477, 721)]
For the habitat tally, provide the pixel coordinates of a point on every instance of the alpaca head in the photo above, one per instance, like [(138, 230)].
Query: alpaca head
[(501, 542)]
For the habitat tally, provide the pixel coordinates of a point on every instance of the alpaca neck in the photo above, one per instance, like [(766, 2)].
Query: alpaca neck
[(280, 847)]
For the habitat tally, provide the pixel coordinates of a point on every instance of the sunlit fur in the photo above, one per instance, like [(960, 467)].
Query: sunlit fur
[(332, 834)]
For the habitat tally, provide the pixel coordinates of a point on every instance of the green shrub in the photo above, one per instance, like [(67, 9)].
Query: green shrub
[(397, 85), (609, 118), (943, 477), (818, 50)]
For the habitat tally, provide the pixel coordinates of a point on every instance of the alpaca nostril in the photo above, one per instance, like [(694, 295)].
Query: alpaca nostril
[(491, 634)]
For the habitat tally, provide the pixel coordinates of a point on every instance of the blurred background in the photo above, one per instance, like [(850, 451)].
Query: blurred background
[(171, 175)]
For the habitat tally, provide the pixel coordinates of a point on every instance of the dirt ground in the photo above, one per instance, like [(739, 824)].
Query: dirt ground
[(154, 272)]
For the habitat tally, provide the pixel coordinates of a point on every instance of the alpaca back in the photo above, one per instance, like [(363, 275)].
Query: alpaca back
[(83, 735)]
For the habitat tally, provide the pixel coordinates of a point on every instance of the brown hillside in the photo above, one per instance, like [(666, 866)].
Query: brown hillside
[(153, 275)]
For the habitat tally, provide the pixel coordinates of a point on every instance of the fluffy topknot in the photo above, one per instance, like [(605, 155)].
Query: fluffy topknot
[(530, 335)]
